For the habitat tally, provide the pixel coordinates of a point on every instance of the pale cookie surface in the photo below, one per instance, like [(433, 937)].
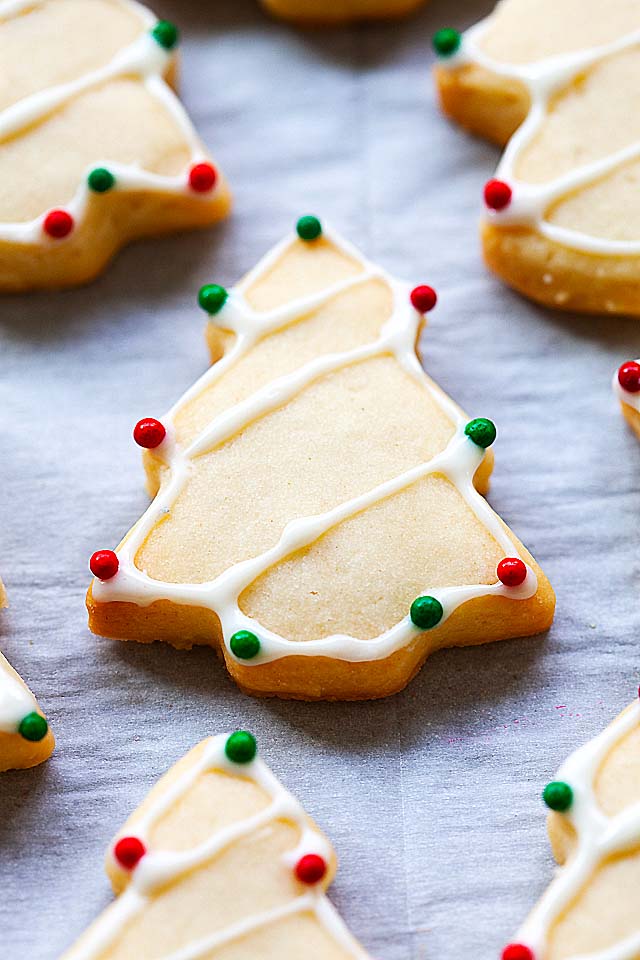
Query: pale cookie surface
[(315, 513), (25, 738), (626, 386), (95, 148), (563, 222), (327, 12), (220, 861), (590, 911)]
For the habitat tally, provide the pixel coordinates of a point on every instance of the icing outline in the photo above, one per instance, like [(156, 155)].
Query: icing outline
[(458, 462), (156, 869), (145, 59), (543, 79)]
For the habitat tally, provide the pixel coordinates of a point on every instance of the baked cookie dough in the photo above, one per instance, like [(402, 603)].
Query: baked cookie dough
[(626, 386), (25, 737), (95, 149), (554, 80), (591, 907), (316, 514), (327, 12), (220, 862)]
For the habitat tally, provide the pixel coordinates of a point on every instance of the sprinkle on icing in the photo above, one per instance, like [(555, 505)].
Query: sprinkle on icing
[(154, 869), (17, 703), (147, 58), (626, 384), (458, 462), (527, 204), (598, 837)]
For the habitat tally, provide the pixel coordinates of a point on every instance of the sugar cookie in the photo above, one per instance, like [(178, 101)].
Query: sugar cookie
[(220, 831), (591, 907), (326, 12), (25, 737), (626, 385), (555, 79), (315, 513), (95, 149)]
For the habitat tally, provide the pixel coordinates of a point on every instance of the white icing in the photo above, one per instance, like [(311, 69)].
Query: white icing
[(458, 462), (597, 838), (16, 701), (157, 868), (543, 79), (626, 396), (146, 59)]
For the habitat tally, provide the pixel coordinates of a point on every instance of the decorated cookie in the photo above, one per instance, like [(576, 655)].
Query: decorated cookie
[(554, 80), (319, 12), (95, 149), (220, 861), (316, 512), (626, 385), (591, 908), (25, 738)]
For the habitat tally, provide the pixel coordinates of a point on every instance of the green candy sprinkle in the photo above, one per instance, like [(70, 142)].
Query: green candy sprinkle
[(481, 431), (166, 34), (212, 298), (244, 645), (33, 727), (100, 180), (426, 612), (241, 747), (446, 42), (558, 796), (308, 228)]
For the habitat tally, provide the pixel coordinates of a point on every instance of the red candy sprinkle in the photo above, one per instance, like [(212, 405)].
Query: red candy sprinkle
[(512, 572), (202, 177), (58, 224), (424, 298), (629, 376), (517, 951), (497, 194), (104, 564), (129, 851), (149, 433), (311, 868)]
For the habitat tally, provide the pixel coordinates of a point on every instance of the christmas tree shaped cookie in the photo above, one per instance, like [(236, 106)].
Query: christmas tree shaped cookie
[(555, 81), (316, 512), (95, 149), (591, 908), (626, 385), (25, 738), (319, 12), (220, 862)]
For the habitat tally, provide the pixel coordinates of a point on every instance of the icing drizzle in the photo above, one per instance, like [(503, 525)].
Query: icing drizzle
[(544, 78), (157, 868), (458, 462), (598, 837), (16, 701), (145, 59)]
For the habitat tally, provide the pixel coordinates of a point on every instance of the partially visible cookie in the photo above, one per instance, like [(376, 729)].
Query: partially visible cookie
[(25, 737), (95, 148), (626, 386), (590, 910), (220, 862), (555, 80), (326, 12), (318, 515)]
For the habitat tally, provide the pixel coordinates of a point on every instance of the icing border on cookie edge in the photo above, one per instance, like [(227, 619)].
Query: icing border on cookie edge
[(543, 79), (144, 58), (458, 462), (155, 870)]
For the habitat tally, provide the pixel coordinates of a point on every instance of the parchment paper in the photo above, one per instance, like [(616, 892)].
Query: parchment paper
[(431, 797)]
